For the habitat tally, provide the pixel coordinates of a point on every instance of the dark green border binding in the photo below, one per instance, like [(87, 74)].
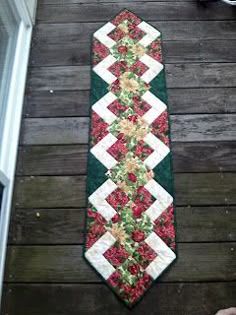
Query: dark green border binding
[(93, 177)]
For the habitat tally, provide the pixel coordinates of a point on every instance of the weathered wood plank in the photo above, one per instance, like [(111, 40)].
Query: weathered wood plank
[(58, 78), (191, 128), (55, 130), (47, 226), (199, 51), (204, 156), (52, 191), (178, 76), (205, 189), (52, 160), (184, 51), (74, 33), (205, 224), (66, 2), (203, 127), (149, 11), (201, 75), (72, 159), (65, 226), (196, 262), (72, 103), (88, 299), (200, 101), (76, 103), (57, 104), (69, 191)]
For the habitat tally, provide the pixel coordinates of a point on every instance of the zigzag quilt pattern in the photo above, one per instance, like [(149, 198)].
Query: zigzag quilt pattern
[(130, 234)]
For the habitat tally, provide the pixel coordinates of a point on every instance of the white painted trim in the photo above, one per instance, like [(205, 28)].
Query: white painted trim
[(231, 2), (31, 7), (4, 180), (35, 10), (11, 133), (23, 11)]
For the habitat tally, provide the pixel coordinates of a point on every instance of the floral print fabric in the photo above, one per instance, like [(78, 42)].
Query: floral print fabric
[(130, 236)]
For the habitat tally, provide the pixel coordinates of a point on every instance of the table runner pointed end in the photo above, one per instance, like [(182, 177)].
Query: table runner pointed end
[(130, 235)]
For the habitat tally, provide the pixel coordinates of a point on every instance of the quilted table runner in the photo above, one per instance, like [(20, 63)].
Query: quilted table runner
[(130, 235)]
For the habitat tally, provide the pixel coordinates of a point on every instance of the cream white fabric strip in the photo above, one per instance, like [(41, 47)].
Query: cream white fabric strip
[(101, 35), (95, 255), (164, 258), (154, 66), (102, 69), (160, 150), (157, 108), (155, 210), (100, 151), (100, 107), (151, 34), (97, 199), (163, 199)]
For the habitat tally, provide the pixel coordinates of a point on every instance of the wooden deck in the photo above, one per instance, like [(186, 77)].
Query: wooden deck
[(45, 273)]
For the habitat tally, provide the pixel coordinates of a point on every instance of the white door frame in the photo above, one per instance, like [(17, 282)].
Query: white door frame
[(12, 121)]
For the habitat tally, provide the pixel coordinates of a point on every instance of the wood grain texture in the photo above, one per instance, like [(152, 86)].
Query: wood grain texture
[(72, 34), (88, 299), (65, 226), (50, 191), (178, 76), (196, 262), (204, 156), (55, 131), (181, 101), (149, 11), (69, 191), (206, 224), (47, 226), (64, 103), (203, 127), (202, 100), (184, 51), (52, 160), (66, 2), (205, 189), (185, 128), (72, 159)]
